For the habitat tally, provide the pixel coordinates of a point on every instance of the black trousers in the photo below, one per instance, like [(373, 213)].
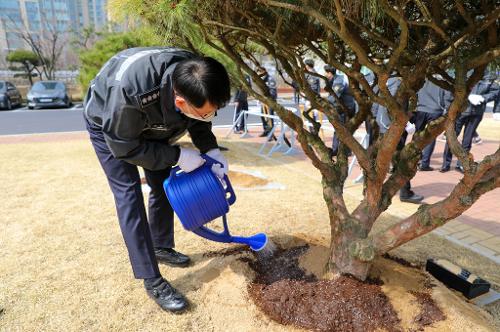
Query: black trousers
[(296, 96), (242, 106), (336, 142), (405, 191), (140, 236), (421, 120), (470, 124), (267, 123)]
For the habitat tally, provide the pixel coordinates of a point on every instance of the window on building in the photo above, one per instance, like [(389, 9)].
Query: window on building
[(33, 15)]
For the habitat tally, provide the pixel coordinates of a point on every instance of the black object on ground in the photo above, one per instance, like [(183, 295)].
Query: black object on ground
[(457, 278)]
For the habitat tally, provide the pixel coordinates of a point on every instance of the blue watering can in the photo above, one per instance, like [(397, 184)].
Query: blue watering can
[(199, 197)]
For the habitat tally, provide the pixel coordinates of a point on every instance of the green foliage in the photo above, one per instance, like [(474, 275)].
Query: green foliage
[(23, 57), (94, 58), (28, 61), (172, 22)]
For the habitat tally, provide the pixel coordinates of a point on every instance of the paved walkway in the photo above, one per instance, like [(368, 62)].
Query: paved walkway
[(477, 229)]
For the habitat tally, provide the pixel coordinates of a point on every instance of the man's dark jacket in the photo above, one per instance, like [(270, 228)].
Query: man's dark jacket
[(433, 99), (486, 87), (313, 82), (131, 100), (341, 88)]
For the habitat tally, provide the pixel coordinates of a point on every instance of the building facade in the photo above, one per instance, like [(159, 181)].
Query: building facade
[(35, 16)]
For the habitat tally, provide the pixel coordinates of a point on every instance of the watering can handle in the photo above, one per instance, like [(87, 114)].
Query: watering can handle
[(229, 189), (209, 162)]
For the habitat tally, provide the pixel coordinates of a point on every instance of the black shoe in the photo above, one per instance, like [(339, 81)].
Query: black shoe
[(171, 257), (426, 168), (166, 296), (264, 134), (459, 169), (445, 169), (272, 138), (414, 198)]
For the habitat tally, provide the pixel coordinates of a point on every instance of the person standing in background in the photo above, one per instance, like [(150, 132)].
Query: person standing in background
[(384, 122), (431, 104), (340, 87), (267, 123), (241, 100), (484, 91)]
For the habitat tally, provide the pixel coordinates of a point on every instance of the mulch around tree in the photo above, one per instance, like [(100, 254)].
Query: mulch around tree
[(288, 295)]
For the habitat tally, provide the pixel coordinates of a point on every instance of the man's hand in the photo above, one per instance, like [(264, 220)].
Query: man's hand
[(189, 160), (410, 128), (476, 99), (218, 170)]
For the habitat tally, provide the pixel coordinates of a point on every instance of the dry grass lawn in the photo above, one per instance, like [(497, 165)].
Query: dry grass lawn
[(64, 265)]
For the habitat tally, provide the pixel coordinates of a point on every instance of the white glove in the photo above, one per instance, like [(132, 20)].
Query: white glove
[(218, 170), (476, 99), (410, 128), (189, 160)]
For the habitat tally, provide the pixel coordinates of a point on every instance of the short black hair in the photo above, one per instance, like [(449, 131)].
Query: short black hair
[(309, 62), (202, 79), (329, 69)]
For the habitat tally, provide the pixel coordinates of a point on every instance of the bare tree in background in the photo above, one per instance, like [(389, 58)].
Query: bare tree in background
[(85, 39), (48, 44)]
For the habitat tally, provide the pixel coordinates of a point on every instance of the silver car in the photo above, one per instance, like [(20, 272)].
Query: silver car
[(9, 96), (46, 94)]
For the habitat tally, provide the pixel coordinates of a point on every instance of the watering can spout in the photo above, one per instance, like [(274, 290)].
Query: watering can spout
[(256, 242)]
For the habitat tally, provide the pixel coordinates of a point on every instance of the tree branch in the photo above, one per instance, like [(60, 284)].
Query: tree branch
[(429, 217)]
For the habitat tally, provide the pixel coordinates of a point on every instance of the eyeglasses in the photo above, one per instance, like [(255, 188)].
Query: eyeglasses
[(205, 116), (194, 109)]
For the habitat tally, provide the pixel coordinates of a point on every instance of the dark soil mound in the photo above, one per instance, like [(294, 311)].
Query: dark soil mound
[(288, 295)]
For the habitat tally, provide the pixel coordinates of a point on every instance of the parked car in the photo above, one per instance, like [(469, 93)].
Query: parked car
[(48, 94), (9, 96)]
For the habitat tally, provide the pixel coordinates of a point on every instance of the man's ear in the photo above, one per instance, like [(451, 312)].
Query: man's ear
[(180, 102)]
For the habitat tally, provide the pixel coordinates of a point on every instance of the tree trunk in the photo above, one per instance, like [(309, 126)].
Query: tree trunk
[(346, 256), (342, 260), (28, 72)]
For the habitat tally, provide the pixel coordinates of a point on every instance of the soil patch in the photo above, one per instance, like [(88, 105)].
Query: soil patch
[(430, 312), (239, 249), (246, 180), (289, 295)]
